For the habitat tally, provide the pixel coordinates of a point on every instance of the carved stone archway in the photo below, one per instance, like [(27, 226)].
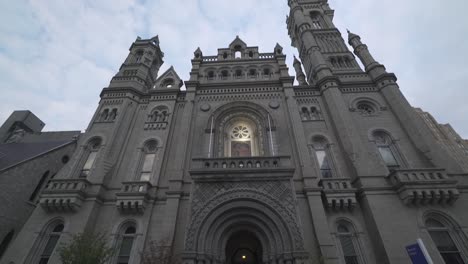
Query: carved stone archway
[(269, 216)]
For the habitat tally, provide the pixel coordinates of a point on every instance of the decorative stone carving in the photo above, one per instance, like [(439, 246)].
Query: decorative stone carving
[(274, 104), (276, 195), (205, 107)]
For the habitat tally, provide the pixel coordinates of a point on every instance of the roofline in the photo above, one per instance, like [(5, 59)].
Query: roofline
[(38, 155)]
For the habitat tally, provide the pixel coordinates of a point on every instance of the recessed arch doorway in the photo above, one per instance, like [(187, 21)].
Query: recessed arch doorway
[(243, 247)]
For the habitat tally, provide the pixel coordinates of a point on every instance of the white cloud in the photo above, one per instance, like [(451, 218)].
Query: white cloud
[(56, 56)]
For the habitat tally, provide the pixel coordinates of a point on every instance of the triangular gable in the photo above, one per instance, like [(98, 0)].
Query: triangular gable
[(237, 42), (165, 79)]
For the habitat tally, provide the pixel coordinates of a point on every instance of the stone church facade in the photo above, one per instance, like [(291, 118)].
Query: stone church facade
[(246, 167)]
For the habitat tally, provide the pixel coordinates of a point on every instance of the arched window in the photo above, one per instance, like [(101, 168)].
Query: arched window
[(314, 113), (39, 186), (305, 113), (238, 74), (386, 148), (5, 242), (241, 138), (159, 114), (322, 153), (127, 237), (211, 75), (113, 114), (224, 74), (348, 243), (317, 21), (52, 238), (366, 108), (148, 157), (252, 73), (104, 115), (139, 56), (266, 72), (168, 83), (92, 150), (446, 240)]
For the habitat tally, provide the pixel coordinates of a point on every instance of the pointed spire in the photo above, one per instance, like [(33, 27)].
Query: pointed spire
[(351, 36), (198, 53), (155, 40), (278, 49)]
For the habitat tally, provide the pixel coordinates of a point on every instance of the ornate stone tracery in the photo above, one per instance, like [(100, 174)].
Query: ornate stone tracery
[(266, 209)]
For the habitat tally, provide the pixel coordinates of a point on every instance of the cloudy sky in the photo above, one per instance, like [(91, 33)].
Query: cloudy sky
[(57, 55)]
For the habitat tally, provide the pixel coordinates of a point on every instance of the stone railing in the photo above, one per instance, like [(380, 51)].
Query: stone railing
[(155, 125), (241, 165), (338, 193), (421, 186), (210, 58), (64, 194), (133, 197)]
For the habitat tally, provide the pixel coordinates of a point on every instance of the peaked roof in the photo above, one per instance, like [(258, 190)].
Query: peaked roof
[(13, 153), (170, 73), (237, 41)]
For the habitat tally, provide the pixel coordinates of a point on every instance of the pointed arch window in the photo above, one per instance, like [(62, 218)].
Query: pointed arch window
[(238, 74), (148, 158), (138, 56), (92, 152), (386, 148), (52, 238), (445, 240), (323, 155), (104, 115), (348, 243), (127, 238), (241, 139), (317, 21)]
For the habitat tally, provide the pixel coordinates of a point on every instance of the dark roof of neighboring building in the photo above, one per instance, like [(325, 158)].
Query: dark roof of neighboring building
[(14, 153)]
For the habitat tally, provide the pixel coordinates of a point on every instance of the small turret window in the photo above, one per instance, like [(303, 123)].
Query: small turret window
[(224, 74), (139, 55), (252, 73), (238, 74), (317, 22), (210, 75), (168, 83)]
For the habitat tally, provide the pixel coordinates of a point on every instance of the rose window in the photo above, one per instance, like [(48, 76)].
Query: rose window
[(240, 132)]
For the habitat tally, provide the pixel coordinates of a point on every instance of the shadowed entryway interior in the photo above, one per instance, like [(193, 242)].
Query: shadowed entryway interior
[(243, 247)]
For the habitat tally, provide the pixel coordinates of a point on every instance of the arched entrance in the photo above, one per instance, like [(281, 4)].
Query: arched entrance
[(243, 247)]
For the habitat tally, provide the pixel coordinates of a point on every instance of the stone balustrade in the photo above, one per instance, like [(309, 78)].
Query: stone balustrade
[(280, 165), (64, 194), (338, 193), (133, 197), (421, 186)]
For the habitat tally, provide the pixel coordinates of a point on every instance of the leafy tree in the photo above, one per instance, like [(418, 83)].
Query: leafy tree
[(86, 248)]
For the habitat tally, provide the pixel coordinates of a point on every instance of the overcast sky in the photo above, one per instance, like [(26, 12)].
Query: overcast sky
[(56, 56)]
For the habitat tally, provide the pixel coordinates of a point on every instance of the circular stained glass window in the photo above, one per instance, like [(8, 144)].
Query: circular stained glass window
[(240, 132)]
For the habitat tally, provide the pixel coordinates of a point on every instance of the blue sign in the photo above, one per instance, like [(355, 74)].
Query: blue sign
[(416, 254)]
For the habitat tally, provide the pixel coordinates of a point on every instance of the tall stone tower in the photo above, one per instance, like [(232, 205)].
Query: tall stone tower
[(245, 167)]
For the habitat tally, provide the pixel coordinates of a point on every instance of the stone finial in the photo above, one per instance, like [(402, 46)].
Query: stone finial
[(351, 36), (278, 49), (198, 53)]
